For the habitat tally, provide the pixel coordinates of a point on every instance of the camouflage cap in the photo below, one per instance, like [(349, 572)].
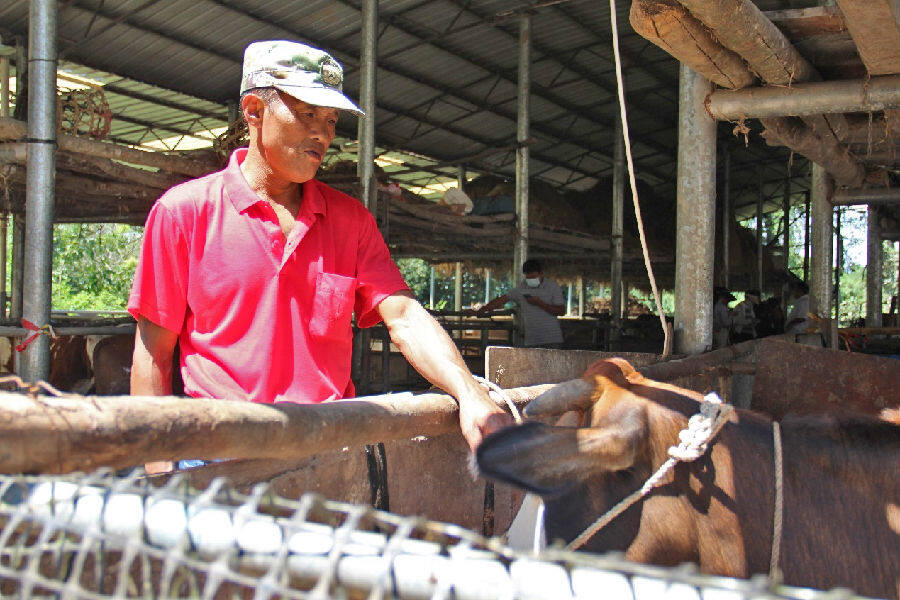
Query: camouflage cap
[(304, 72)]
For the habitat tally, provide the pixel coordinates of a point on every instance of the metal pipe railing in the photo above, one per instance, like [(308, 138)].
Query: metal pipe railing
[(805, 99)]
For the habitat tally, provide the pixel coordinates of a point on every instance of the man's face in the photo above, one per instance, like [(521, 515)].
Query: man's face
[(294, 136)]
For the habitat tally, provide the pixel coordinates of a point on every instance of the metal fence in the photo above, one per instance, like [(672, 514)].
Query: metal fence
[(103, 536)]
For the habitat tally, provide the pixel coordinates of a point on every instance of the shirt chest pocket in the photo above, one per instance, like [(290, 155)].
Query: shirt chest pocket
[(332, 306)]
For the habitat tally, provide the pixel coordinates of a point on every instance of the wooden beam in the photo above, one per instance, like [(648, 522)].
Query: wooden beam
[(670, 26), (17, 153), (802, 23), (741, 27), (15, 130), (794, 134), (50, 434), (875, 27)]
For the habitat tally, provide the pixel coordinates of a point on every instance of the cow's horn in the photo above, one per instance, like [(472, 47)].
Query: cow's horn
[(569, 395)]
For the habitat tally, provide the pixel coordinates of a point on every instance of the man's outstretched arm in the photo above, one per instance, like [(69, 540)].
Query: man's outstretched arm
[(432, 353), (151, 369)]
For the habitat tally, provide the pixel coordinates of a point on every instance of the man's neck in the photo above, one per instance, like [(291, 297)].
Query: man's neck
[(269, 186)]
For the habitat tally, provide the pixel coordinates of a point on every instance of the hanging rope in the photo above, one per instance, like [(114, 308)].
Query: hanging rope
[(778, 515), (498, 395), (667, 343), (694, 442)]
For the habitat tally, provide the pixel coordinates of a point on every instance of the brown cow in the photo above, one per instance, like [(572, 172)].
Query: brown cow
[(841, 483)]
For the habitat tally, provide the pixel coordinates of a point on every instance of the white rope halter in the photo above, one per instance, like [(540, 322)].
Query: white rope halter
[(694, 442)]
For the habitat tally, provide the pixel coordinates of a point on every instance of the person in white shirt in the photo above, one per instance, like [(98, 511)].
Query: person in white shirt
[(798, 318), (540, 301)]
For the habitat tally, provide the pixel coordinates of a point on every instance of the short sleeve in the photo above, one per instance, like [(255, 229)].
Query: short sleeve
[(557, 298), (515, 295), (159, 290), (377, 277)]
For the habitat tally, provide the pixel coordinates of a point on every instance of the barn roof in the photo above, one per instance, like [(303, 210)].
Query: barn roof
[(446, 79)]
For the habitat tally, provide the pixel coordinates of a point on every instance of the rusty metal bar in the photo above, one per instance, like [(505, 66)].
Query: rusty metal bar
[(696, 210), (367, 93), (806, 215), (805, 99), (618, 212), (866, 196), (520, 253), (873, 270), (760, 196)]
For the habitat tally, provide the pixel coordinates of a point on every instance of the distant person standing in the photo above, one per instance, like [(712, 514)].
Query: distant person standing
[(540, 302), (798, 318), (721, 317), (744, 318)]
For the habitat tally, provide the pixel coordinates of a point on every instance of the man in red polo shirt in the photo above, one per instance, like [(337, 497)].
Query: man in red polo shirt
[(257, 269)]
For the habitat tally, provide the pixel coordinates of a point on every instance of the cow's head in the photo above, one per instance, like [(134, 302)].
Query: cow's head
[(624, 423)]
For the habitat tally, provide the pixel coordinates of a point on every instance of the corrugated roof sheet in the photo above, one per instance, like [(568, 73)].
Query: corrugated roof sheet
[(446, 80)]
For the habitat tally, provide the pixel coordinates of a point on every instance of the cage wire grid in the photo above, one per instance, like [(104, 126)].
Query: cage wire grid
[(100, 536)]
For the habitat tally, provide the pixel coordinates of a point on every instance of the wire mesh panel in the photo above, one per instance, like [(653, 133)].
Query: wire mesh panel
[(101, 536)]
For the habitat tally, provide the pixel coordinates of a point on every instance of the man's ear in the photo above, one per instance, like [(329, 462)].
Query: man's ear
[(549, 460), (253, 108)]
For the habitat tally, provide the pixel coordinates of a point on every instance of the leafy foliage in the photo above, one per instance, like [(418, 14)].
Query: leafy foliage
[(93, 265)]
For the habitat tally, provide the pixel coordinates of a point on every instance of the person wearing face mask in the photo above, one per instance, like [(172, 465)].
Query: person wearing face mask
[(540, 301)]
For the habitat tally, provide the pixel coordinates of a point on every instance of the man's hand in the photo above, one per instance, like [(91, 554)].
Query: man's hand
[(432, 353), (535, 301), (479, 416)]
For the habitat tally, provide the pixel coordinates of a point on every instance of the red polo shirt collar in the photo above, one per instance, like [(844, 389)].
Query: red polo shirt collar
[(242, 196)]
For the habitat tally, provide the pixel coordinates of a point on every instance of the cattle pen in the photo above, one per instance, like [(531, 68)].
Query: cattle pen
[(647, 152)]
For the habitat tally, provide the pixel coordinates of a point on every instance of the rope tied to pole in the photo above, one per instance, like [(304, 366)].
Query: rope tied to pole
[(38, 331), (694, 441)]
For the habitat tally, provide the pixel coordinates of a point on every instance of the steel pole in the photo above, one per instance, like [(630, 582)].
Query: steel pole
[(618, 220), (838, 263), (580, 296), (872, 196), (873, 270), (40, 182), (806, 215), (4, 216), (431, 288), (367, 84), (726, 221), (18, 266), (821, 256), (487, 286), (696, 210), (759, 230), (457, 288), (520, 253), (4, 86), (874, 94), (786, 216)]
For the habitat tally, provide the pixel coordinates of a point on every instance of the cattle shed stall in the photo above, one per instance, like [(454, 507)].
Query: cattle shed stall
[(515, 103)]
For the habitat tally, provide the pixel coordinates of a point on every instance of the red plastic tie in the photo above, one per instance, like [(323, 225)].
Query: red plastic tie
[(45, 330)]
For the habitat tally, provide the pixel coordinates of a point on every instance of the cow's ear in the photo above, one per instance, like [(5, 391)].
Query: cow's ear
[(548, 460)]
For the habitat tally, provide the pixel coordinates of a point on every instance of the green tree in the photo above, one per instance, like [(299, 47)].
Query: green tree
[(93, 265)]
